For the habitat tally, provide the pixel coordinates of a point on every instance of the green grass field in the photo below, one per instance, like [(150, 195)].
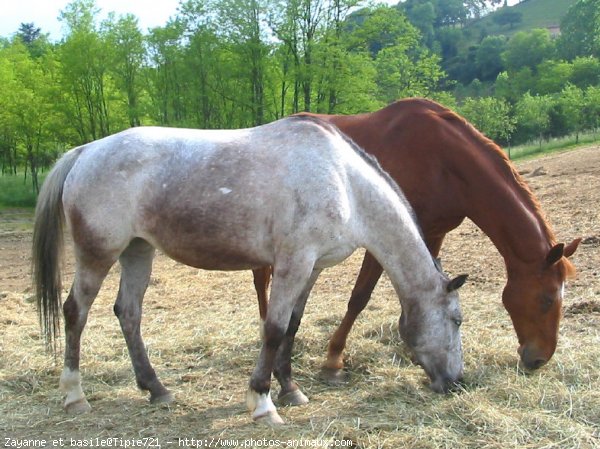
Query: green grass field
[(16, 191), (554, 145)]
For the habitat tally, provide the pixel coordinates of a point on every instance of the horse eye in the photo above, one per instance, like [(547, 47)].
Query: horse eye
[(457, 322), (547, 302)]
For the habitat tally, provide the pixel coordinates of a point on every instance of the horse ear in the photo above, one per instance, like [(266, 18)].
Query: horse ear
[(456, 283), (555, 254), (571, 247)]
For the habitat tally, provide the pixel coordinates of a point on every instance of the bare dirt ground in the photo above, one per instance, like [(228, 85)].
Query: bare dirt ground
[(201, 331)]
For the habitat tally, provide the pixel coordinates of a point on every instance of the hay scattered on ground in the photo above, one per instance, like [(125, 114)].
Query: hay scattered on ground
[(201, 331)]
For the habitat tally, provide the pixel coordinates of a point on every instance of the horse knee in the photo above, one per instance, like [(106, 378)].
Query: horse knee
[(117, 310), (70, 311), (273, 334), (358, 301), (294, 325)]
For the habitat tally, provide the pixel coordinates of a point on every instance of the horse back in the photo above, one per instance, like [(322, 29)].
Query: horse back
[(225, 199)]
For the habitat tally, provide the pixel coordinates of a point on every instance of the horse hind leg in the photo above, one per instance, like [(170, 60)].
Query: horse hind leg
[(87, 282), (370, 273), (136, 266)]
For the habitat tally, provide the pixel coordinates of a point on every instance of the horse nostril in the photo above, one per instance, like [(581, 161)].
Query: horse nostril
[(447, 385), (538, 363), (458, 386)]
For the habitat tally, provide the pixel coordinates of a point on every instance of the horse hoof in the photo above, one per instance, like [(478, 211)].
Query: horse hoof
[(78, 407), (293, 398), (335, 377), (165, 398), (271, 419)]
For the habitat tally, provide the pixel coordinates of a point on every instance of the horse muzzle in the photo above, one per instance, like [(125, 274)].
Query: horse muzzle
[(443, 379), (445, 385), (531, 358)]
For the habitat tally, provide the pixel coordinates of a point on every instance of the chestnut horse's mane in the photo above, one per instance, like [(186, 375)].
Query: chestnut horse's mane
[(495, 152)]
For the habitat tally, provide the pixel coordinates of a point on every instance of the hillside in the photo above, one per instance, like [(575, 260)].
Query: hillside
[(535, 14)]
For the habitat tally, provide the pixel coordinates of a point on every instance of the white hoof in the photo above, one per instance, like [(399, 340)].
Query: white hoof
[(70, 384), (262, 408)]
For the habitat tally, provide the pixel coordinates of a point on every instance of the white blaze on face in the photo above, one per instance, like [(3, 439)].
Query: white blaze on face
[(562, 290), (225, 190)]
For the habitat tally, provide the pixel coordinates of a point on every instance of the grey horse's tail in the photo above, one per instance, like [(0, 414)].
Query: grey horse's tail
[(48, 247)]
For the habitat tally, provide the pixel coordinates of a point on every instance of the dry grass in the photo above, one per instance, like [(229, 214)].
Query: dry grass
[(201, 330)]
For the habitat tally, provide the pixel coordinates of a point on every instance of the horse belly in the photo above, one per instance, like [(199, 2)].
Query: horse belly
[(214, 258), (208, 238)]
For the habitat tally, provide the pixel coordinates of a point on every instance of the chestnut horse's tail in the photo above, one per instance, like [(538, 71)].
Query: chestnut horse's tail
[(48, 245)]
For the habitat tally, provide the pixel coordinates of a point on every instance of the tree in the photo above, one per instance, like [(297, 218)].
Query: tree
[(452, 12), (532, 115), (552, 76), (489, 57), (491, 116), (384, 27), (401, 74), (580, 30), (166, 87), (202, 62), (244, 21), (315, 40), (422, 15), (573, 104), (85, 58), (126, 41), (299, 24), (27, 115), (9, 93), (591, 112), (586, 71), (528, 49)]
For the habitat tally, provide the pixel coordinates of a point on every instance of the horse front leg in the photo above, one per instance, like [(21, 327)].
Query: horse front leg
[(290, 393), (289, 282), (87, 282), (370, 273), (136, 266)]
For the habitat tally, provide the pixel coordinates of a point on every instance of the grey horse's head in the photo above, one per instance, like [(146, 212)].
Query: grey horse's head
[(431, 329)]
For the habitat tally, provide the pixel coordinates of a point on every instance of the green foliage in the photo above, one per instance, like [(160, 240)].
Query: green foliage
[(507, 16), (488, 57), (581, 30), (528, 49), (533, 115), (491, 116), (552, 75), (234, 63)]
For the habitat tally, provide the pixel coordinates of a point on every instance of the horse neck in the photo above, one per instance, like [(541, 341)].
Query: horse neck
[(500, 203), (395, 241)]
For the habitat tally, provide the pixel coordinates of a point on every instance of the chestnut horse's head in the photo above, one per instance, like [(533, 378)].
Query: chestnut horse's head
[(534, 303)]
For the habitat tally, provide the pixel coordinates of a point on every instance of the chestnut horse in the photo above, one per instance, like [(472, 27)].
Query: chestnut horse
[(202, 198), (448, 171)]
